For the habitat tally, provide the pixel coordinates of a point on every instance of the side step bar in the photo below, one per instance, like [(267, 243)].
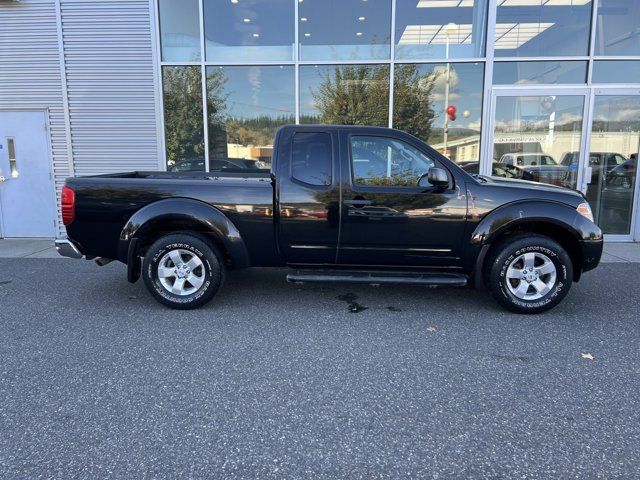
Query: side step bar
[(378, 278)]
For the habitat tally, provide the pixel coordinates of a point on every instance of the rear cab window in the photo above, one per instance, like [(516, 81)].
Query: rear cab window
[(312, 158)]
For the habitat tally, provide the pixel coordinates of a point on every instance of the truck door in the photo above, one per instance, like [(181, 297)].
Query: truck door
[(307, 195), (391, 215)]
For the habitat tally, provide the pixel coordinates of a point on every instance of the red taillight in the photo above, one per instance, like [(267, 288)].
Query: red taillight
[(68, 205)]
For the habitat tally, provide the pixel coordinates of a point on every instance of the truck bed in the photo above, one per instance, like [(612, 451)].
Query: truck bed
[(104, 203)]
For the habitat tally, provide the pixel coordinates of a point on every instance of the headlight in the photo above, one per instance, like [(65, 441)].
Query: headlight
[(584, 209)]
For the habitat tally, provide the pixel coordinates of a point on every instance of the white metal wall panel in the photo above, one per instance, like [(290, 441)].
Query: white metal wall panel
[(30, 72), (110, 83)]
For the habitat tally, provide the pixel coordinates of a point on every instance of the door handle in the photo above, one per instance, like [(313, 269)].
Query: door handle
[(358, 202)]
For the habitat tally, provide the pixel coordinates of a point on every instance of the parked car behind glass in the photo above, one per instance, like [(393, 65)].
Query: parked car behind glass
[(542, 167)]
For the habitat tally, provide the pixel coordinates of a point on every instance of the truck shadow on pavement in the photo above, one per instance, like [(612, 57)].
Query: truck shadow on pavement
[(268, 289)]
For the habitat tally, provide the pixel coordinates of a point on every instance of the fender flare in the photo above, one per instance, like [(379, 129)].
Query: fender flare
[(519, 213), (178, 210)]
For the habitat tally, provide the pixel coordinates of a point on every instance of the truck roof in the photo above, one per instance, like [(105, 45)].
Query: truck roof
[(322, 126)]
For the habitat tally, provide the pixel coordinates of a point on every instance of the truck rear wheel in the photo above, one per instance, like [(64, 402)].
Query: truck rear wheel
[(182, 271), (529, 274)]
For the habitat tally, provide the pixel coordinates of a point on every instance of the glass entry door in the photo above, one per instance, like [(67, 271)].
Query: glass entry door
[(584, 138), (537, 135), (610, 180)]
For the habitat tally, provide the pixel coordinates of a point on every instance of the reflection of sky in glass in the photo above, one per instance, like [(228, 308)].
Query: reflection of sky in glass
[(179, 30), (257, 91), (344, 29), (616, 71), (534, 113), (617, 28), (310, 79), (421, 33), (543, 30), (465, 93), (509, 73), (616, 113), (249, 30)]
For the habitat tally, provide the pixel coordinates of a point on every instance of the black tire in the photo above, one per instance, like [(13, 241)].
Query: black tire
[(211, 270), (511, 250)]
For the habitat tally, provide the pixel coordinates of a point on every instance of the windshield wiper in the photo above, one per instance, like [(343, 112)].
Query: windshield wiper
[(482, 178)]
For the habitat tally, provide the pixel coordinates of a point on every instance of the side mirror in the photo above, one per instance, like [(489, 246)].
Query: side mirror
[(436, 177)]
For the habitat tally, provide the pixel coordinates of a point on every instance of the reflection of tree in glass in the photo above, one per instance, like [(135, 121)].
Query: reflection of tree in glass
[(227, 128), (412, 100), (359, 95), (402, 179), (256, 131), (216, 112), (183, 113), (354, 95)]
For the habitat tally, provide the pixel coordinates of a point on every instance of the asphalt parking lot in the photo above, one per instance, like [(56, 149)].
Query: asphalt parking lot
[(273, 380)]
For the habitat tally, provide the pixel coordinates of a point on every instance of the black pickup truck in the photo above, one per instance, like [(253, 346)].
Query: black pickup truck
[(343, 204)]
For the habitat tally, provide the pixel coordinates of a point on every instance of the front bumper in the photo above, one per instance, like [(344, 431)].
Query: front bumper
[(592, 242), (66, 248)]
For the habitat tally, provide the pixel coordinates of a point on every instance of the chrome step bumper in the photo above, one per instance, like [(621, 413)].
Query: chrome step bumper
[(66, 248)]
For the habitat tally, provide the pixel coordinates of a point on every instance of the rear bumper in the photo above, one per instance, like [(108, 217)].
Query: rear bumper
[(66, 248)]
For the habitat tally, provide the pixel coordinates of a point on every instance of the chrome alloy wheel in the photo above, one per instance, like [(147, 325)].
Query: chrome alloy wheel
[(531, 276), (181, 272)]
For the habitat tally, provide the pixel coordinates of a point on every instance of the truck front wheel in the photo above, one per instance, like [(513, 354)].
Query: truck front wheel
[(529, 273), (182, 271)]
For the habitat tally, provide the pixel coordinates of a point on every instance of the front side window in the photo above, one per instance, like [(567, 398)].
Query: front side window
[(388, 162), (311, 158)]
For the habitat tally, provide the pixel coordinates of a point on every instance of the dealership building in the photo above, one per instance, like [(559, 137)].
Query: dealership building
[(544, 90)]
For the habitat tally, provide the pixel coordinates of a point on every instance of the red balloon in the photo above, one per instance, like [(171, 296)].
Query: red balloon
[(451, 109)]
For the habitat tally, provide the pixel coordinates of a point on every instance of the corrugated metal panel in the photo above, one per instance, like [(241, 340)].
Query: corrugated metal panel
[(30, 71), (110, 85)]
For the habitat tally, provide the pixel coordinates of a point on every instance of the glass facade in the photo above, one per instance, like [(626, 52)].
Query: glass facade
[(502, 87)]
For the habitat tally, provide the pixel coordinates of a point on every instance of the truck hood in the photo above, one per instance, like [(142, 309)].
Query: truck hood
[(530, 189)]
